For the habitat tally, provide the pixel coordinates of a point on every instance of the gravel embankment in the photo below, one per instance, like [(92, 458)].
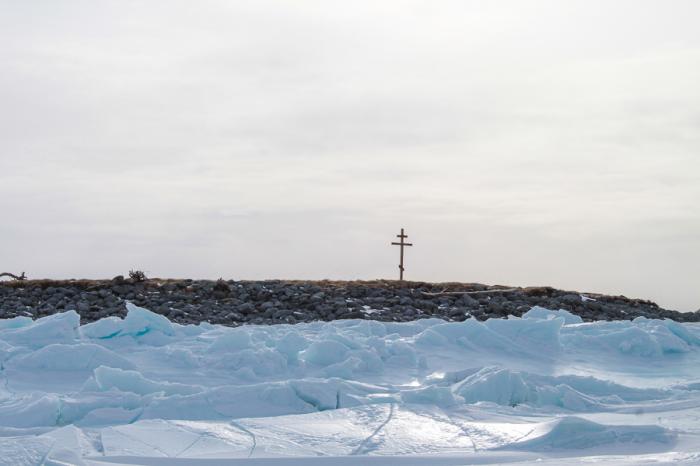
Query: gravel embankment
[(276, 301)]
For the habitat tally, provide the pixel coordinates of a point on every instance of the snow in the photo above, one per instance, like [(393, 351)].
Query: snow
[(69, 357), (109, 378), (57, 328), (576, 433), (325, 353), (546, 387), (538, 312)]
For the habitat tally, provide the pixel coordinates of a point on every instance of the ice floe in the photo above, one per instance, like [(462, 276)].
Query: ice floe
[(142, 387)]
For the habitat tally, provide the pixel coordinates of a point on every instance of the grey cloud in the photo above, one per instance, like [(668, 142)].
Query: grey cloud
[(519, 142)]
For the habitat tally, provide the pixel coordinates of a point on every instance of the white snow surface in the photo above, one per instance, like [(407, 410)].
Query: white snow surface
[(544, 388)]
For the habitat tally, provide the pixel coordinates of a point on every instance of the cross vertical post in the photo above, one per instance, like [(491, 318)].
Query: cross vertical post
[(402, 243)]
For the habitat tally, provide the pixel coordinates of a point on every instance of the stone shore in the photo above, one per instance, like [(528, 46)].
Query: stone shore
[(280, 301)]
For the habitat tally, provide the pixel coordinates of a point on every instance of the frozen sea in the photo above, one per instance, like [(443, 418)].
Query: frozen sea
[(544, 389)]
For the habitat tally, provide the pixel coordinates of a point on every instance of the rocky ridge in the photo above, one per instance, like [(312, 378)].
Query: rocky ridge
[(291, 301)]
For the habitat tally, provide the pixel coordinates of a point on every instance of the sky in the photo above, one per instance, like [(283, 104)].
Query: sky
[(518, 142)]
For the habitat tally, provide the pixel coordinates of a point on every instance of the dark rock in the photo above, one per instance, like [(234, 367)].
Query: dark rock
[(235, 303), (571, 299), (245, 308), (468, 301)]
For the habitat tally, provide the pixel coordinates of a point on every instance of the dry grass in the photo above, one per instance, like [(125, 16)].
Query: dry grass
[(387, 284)]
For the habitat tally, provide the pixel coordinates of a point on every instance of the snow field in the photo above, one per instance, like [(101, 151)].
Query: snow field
[(543, 386)]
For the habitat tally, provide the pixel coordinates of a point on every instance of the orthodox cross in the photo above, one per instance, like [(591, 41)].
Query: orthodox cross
[(402, 244)]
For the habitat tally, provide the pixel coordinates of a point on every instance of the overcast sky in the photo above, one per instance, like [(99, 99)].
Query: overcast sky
[(518, 142)]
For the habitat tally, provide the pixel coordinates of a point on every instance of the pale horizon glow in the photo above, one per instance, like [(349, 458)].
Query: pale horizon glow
[(518, 142)]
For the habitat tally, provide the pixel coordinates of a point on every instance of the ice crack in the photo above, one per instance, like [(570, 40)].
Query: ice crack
[(366, 446)]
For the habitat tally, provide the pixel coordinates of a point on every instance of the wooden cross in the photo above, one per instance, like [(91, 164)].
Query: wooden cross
[(402, 244)]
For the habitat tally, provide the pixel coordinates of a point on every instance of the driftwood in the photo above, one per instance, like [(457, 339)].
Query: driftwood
[(16, 277), (500, 290)]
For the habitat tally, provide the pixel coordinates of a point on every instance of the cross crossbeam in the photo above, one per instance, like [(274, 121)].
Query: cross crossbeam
[(402, 243)]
